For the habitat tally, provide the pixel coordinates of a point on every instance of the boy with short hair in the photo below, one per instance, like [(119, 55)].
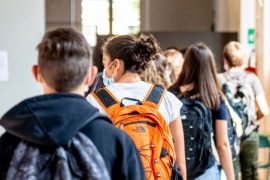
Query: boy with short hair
[(64, 69), (241, 83)]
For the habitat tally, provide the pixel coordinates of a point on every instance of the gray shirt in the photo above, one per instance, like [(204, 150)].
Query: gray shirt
[(250, 78)]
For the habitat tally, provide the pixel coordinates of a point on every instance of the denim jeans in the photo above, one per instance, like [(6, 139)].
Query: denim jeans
[(212, 173)]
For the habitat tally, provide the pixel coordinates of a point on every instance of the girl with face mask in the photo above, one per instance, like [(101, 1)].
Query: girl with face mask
[(125, 58), (107, 80)]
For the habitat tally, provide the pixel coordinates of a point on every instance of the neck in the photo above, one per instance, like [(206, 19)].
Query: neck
[(187, 87), (236, 69), (78, 91), (129, 77)]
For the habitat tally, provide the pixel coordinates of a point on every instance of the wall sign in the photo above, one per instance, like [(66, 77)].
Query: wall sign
[(3, 66)]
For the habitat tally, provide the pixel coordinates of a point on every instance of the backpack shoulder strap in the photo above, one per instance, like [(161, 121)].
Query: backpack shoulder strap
[(225, 77), (154, 96), (106, 99)]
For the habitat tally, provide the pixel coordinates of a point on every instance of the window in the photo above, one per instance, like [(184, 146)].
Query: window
[(96, 18)]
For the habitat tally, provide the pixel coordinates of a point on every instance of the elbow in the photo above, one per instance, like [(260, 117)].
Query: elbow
[(223, 146), (266, 112), (262, 113)]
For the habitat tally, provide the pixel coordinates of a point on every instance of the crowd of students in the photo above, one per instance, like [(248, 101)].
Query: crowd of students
[(171, 112)]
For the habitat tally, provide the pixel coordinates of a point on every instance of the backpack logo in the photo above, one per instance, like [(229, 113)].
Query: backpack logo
[(77, 160), (139, 129), (146, 126)]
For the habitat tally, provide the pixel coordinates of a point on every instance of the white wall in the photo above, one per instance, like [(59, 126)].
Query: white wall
[(22, 25), (247, 18)]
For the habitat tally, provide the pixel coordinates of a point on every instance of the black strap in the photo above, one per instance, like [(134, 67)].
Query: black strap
[(156, 94), (105, 98)]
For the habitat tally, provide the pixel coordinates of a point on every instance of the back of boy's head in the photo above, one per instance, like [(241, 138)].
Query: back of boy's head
[(64, 59), (234, 54)]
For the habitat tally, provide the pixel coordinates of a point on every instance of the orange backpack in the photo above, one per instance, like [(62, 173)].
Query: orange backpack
[(146, 126)]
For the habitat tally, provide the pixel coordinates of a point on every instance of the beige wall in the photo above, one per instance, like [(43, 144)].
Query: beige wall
[(262, 50), (176, 15), (63, 13), (227, 15)]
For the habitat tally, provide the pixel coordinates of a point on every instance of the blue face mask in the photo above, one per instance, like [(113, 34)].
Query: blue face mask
[(106, 80)]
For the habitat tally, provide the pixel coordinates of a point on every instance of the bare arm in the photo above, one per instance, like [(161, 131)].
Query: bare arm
[(223, 148), (178, 135), (263, 109)]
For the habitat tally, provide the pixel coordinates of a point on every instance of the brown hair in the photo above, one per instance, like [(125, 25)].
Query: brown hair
[(152, 76), (135, 52), (234, 54), (63, 59), (199, 69)]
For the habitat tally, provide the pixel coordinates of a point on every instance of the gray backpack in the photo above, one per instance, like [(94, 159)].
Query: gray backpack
[(241, 98), (79, 159)]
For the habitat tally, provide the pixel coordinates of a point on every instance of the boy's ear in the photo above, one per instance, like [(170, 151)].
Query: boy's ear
[(91, 75), (225, 64), (35, 72)]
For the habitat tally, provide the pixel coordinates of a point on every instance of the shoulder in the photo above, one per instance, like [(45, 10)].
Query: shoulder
[(93, 101), (252, 77), (221, 112), (170, 107), (222, 105), (105, 135), (170, 97), (90, 98)]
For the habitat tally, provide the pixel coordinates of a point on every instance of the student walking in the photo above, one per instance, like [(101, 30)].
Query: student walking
[(59, 135), (148, 113), (203, 114), (244, 92)]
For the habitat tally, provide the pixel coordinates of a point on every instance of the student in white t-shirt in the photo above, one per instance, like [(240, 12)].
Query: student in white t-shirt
[(125, 58)]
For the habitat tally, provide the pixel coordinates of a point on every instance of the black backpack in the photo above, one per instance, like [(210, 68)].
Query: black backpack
[(197, 125), (79, 159)]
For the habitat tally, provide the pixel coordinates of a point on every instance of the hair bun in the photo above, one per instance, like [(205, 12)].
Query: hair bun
[(135, 52), (146, 48)]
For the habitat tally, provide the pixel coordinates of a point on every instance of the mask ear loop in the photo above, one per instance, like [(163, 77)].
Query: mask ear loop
[(109, 67)]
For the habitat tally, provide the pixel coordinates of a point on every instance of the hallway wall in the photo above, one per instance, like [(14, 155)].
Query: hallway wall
[(22, 24)]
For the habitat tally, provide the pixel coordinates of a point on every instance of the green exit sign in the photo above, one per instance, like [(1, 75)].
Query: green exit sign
[(251, 36)]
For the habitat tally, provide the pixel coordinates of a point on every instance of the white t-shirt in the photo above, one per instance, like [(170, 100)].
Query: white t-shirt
[(169, 106)]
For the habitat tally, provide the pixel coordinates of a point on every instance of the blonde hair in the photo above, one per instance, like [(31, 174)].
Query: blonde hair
[(151, 75), (234, 54)]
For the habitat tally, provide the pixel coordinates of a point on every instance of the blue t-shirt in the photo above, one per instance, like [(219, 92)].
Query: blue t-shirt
[(221, 113)]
